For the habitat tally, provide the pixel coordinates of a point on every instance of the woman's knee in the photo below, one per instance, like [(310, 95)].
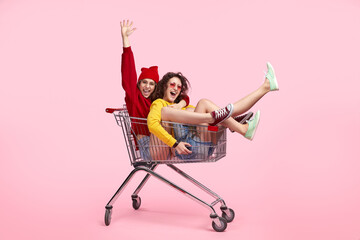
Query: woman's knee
[(204, 101)]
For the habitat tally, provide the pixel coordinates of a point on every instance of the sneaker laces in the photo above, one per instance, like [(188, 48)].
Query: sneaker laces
[(221, 112)]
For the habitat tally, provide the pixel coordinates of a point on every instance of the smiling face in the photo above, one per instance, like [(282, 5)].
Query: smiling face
[(146, 87), (173, 89)]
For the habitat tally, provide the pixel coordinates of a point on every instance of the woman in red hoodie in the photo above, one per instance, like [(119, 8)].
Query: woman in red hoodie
[(137, 93)]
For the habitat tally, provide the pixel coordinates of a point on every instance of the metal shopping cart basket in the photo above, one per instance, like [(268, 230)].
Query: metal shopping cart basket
[(146, 152)]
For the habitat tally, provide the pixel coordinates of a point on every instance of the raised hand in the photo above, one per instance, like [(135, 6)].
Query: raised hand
[(126, 28)]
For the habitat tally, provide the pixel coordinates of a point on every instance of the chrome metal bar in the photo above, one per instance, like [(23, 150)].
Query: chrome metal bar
[(198, 184), (122, 187), (125, 136), (146, 178), (205, 204), (216, 201), (118, 192)]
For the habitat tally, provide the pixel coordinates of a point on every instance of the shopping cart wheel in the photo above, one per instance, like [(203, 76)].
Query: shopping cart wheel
[(222, 224), (136, 203), (229, 217), (108, 216)]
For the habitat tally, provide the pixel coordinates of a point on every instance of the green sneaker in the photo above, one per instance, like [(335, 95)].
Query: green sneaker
[(272, 78), (253, 123)]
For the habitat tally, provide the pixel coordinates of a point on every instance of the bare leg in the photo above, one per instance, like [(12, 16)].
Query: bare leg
[(241, 106), (200, 115), (244, 104), (188, 117), (207, 106)]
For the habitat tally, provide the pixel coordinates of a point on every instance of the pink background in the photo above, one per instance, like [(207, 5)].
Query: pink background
[(62, 157)]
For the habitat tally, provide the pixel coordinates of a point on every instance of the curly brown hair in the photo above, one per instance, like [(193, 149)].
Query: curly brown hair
[(162, 85)]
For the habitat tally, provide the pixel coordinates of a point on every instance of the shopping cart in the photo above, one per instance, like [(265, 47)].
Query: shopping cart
[(146, 152)]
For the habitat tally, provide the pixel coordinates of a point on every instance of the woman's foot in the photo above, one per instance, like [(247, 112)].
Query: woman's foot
[(222, 114), (270, 75), (253, 123), (243, 118)]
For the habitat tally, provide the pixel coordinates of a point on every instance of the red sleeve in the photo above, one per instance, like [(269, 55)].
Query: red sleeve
[(128, 72), (187, 100)]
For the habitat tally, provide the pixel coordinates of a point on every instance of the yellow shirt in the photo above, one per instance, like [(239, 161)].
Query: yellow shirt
[(154, 119)]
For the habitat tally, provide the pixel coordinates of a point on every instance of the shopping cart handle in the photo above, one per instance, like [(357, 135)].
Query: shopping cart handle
[(111, 110)]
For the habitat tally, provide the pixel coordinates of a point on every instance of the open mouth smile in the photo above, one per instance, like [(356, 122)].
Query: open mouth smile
[(146, 91)]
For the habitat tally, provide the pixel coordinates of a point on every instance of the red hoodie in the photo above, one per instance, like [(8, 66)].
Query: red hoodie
[(136, 104)]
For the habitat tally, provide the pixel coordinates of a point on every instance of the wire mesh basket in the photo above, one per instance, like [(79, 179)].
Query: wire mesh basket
[(208, 143)]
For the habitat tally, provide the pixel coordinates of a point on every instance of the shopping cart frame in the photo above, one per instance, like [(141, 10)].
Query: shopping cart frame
[(219, 223)]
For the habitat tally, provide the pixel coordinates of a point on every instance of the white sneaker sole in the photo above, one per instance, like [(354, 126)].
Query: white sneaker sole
[(274, 79), (244, 120), (256, 125)]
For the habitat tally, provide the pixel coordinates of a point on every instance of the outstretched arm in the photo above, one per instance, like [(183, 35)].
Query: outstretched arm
[(126, 31), (128, 71)]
